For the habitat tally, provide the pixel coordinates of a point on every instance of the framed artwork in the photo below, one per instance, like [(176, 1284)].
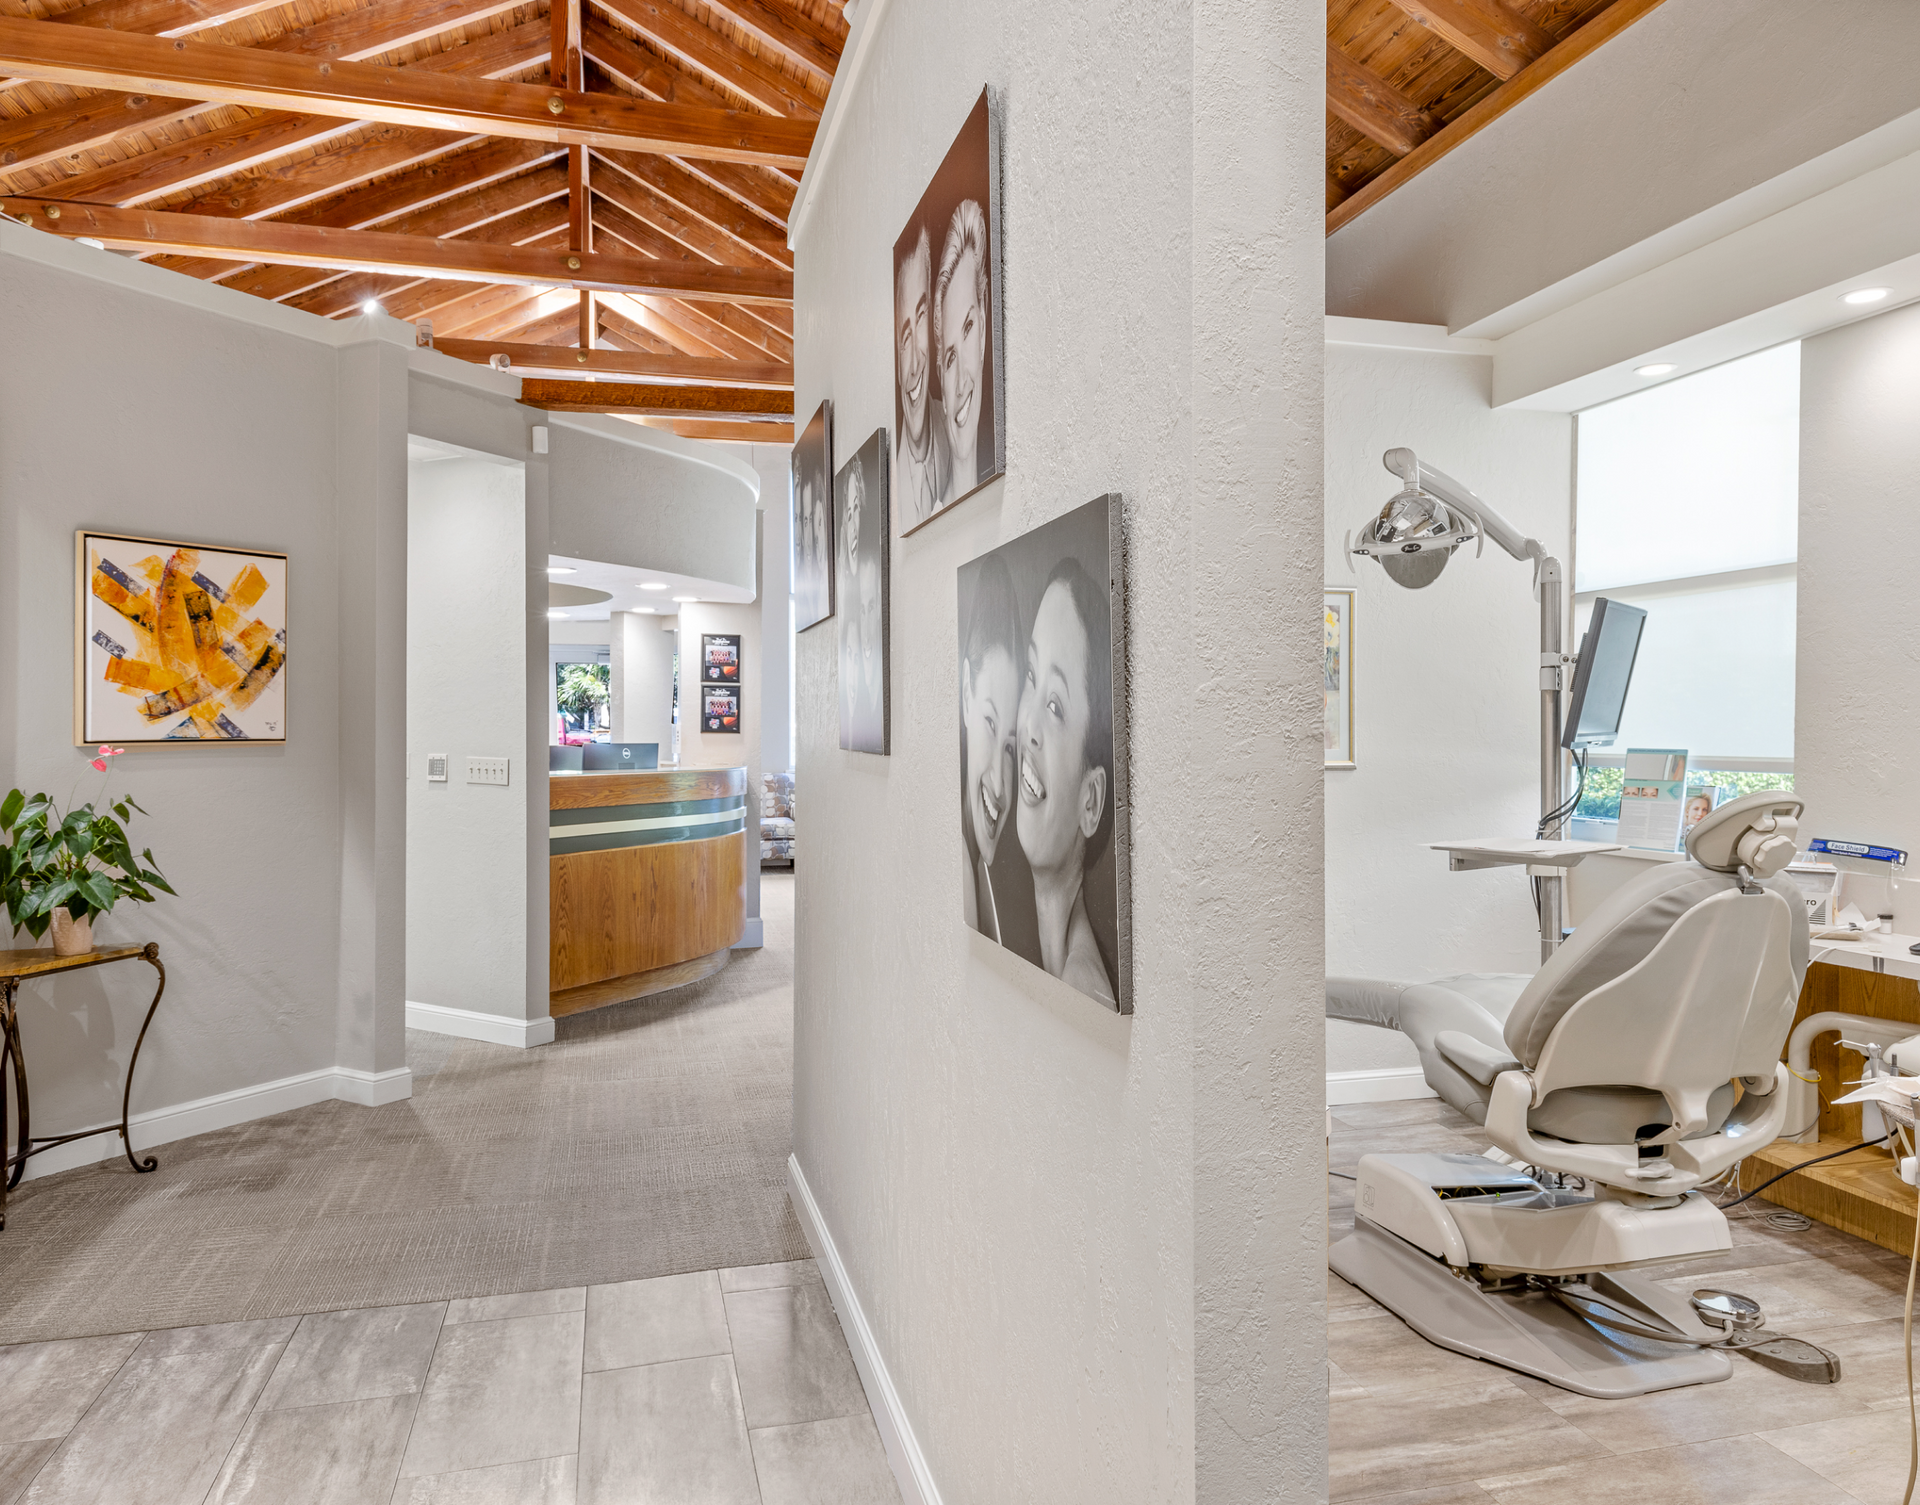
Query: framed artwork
[(1337, 638), (720, 658), (1043, 761), (812, 481), (860, 563), (178, 642), (949, 357), (720, 709)]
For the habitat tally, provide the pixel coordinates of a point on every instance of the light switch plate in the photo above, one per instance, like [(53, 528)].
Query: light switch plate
[(487, 770), (436, 768)]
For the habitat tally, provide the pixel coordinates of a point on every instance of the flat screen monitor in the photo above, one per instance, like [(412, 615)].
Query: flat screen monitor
[(564, 759), (621, 757), (1600, 679)]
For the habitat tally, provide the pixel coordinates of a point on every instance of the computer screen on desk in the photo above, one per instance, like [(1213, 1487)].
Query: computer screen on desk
[(563, 759), (620, 757)]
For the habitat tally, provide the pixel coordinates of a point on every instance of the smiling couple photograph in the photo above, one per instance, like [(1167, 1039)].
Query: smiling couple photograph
[(1043, 778)]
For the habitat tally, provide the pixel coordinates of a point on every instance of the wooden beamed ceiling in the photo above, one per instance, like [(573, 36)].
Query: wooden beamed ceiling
[(594, 192), (1410, 80)]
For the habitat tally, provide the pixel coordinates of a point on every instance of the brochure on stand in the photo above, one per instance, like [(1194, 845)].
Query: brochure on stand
[(1653, 798)]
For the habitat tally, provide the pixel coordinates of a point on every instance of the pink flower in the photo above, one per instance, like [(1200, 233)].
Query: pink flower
[(110, 752), (100, 763)]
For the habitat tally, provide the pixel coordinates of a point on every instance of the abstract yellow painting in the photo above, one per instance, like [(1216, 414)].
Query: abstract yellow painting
[(178, 642)]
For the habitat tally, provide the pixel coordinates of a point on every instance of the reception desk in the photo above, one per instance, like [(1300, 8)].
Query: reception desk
[(648, 881)]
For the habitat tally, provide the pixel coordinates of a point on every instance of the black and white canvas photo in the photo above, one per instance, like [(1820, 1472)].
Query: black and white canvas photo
[(812, 480), (720, 658), (1043, 751), (719, 709), (860, 568), (949, 370)]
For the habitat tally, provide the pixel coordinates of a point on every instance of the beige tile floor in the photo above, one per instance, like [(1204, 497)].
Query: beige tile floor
[(731, 1387), (1414, 1424)]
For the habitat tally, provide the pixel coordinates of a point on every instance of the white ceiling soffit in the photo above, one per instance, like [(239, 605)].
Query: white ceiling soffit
[(624, 588)]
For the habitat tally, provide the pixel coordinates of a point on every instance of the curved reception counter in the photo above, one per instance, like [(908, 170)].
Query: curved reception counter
[(647, 884)]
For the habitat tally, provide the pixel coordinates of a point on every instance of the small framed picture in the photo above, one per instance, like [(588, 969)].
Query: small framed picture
[(720, 709), (178, 642), (720, 658), (1337, 623), (812, 482)]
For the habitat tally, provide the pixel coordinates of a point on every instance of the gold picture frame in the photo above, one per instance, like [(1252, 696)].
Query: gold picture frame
[(1337, 676), (178, 642)]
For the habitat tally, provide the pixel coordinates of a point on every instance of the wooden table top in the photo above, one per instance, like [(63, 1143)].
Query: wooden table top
[(41, 960)]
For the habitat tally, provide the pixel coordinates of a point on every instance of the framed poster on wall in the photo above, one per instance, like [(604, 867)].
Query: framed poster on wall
[(861, 562), (1337, 639), (720, 658), (178, 642), (719, 709), (812, 483)]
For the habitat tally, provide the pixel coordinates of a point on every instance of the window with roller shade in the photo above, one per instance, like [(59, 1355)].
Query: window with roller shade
[(1687, 506)]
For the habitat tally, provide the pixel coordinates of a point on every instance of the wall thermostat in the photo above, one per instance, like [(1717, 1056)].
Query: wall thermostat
[(436, 768)]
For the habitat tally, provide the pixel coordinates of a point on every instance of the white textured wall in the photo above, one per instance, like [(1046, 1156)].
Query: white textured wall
[(1447, 714), (726, 750), (641, 674), (1857, 727), (1587, 167), (467, 901), (776, 596), (123, 411), (1091, 1247)]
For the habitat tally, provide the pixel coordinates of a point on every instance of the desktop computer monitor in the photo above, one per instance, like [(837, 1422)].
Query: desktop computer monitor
[(563, 759), (1599, 695), (620, 757)]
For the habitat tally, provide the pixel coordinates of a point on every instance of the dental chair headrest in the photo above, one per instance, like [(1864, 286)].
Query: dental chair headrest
[(1757, 831)]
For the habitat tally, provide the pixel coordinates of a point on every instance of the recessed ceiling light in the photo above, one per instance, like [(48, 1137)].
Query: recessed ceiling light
[(686, 598), (1865, 295), (556, 615), (1658, 368), (371, 306), (646, 610), (561, 569), (654, 585), (88, 240)]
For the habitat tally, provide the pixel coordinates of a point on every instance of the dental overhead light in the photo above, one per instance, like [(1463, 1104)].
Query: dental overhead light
[(1412, 538)]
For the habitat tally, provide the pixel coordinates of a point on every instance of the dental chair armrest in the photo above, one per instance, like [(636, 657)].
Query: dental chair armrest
[(1477, 1059)]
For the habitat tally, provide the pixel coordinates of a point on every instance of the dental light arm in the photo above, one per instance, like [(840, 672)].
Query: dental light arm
[(1406, 465)]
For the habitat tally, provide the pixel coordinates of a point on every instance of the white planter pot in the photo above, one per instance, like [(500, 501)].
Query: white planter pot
[(71, 937)]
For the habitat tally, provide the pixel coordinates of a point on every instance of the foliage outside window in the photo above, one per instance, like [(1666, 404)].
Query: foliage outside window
[(1601, 798), (583, 692)]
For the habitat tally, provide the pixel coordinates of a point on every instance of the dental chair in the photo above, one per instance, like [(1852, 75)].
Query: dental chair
[(1642, 1061)]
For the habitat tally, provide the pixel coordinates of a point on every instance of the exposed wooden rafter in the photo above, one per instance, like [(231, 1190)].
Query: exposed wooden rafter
[(654, 401), (617, 363), (1374, 107), (1493, 34)]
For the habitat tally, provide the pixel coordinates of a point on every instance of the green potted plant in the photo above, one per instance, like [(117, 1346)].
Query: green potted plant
[(60, 870)]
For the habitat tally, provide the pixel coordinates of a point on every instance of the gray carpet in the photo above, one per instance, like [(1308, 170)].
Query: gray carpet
[(650, 1138)]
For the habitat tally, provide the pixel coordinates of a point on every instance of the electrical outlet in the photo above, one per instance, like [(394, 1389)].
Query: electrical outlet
[(436, 768), (487, 770)]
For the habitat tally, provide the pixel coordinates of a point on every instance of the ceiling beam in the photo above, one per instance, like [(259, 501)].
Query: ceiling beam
[(528, 226), (1595, 34), (734, 433), (1373, 107), (718, 57), (721, 212), (545, 358), (788, 31), (160, 18), (637, 400), (650, 321), (383, 251), (402, 96), (1499, 39)]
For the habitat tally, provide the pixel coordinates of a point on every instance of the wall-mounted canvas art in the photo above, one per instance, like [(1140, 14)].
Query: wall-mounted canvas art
[(719, 709), (1043, 762), (860, 563), (949, 362), (720, 658), (178, 642), (812, 480), (1337, 634)]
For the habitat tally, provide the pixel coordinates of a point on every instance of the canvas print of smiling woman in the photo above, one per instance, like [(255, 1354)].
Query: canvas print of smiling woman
[(948, 373), (1043, 754)]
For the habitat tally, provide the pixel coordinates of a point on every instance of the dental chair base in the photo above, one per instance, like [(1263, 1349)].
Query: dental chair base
[(1478, 1257)]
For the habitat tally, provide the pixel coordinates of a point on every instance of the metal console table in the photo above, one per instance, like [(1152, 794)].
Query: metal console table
[(15, 968)]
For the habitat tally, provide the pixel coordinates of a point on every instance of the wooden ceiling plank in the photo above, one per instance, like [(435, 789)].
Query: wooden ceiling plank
[(653, 322), (378, 250), (477, 312), (788, 31), (1590, 37), (657, 401), (555, 328), (1373, 106), (644, 239), (424, 300), (771, 374), (348, 294), (629, 337), (402, 96), (672, 219), (706, 51), (81, 125), (732, 433), (1498, 38), (534, 223), (695, 196), (714, 331)]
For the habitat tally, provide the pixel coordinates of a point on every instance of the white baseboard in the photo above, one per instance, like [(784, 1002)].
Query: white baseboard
[(1390, 1084), (909, 1464), (470, 1024), (754, 935), (225, 1109)]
